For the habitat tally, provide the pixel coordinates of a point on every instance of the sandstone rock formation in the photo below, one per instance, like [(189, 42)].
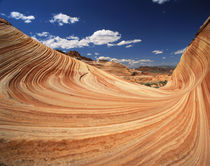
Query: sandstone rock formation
[(144, 75), (75, 54), (114, 68), (56, 110)]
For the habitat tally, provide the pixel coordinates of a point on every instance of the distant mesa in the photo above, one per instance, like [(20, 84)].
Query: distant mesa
[(75, 54), (157, 69), (152, 76), (102, 60)]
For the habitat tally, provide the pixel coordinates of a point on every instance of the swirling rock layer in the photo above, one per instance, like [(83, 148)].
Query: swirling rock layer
[(56, 110)]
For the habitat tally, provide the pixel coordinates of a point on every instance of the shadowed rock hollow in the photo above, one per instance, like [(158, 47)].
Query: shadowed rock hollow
[(56, 110)]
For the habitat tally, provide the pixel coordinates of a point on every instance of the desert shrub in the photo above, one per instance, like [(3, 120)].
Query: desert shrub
[(134, 73), (163, 82), (148, 84)]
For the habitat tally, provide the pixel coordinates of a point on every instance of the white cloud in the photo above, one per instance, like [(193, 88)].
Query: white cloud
[(20, 16), (110, 44), (103, 36), (157, 52), (95, 53), (124, 42), (99, 37), (128, 42), (27, 21), (58, 42), (179, 51), (163, 57), (34, 37), (128, 46), (160, 1), (130, 62), (3, 14), (73, 38), (63, 19), (103, 58), (43, 34)]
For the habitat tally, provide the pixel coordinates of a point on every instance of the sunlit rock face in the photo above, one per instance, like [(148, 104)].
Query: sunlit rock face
[(56, 110)]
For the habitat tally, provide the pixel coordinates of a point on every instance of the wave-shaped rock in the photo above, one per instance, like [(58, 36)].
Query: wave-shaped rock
[(56, 110)]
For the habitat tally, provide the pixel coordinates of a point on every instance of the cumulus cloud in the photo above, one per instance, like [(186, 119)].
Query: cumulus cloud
[(157, 52), (95, 53), (58, 42), (124, 42), (103, 36), (62, 19), (20, 16), (180, 51), (110, 44), (3, 14), (160, 1), (43, 34), (99, 37), (129, 62), (73, 37), (128, 42), (35, 38), (128, 46)]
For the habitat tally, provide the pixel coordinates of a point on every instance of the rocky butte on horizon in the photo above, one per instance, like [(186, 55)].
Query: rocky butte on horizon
[(57, 110), (153, 76)]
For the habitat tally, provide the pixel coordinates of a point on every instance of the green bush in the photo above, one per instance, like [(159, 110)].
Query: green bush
[(148, 84)]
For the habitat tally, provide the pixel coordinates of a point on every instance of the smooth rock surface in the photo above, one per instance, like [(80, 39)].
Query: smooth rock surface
[(56, 110)]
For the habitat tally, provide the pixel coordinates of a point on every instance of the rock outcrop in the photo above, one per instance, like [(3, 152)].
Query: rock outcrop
[(56, 110), (156, 69), (144, 75), (114, 68), (75, 54)]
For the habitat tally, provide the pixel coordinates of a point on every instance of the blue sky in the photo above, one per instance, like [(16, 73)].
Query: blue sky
[(133, 32)]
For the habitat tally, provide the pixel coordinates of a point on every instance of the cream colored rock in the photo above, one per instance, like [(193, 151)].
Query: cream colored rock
[(55, 110)]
